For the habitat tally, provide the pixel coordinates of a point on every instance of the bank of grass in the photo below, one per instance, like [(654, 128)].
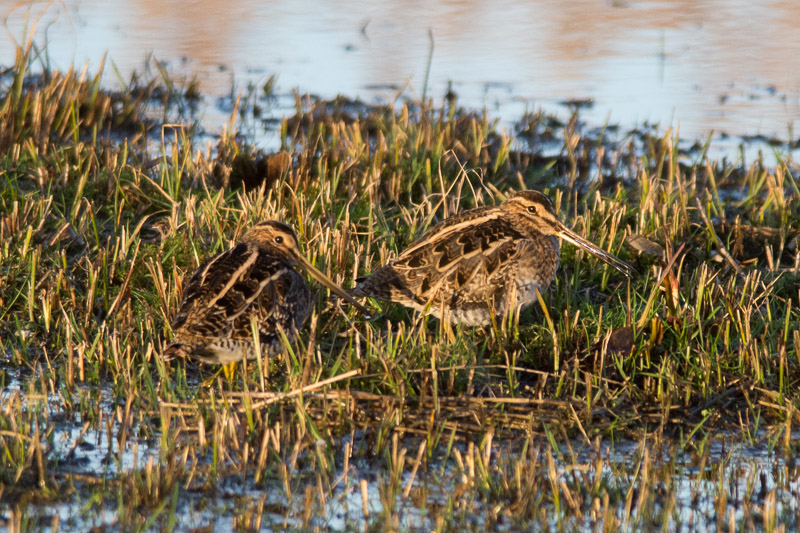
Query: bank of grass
[(105, 212)]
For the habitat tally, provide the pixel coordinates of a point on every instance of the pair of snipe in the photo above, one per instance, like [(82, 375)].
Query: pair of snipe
[(472, 266)]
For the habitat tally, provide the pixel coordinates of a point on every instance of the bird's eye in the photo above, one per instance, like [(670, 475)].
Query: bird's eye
[(532, 209), (279, 239)]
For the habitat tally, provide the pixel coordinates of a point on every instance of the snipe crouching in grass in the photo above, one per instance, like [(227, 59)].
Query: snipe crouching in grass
[(481, 262), (253, 281)]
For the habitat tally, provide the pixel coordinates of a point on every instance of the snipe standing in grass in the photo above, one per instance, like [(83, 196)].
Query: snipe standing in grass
[(481, 262), (255, 279)]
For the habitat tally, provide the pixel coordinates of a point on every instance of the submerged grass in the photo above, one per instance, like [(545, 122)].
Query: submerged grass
[(613, 404)]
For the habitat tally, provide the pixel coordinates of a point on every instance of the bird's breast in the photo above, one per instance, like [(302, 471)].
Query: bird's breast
[(537, 261)]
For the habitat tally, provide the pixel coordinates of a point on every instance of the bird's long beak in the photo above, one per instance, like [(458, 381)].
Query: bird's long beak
[(325, 280), (572, 237)]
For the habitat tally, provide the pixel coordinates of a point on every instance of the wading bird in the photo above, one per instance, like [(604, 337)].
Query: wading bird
[(253, 282), (481, 262)]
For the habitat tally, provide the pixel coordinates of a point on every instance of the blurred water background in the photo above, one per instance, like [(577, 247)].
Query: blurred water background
[(725, 68)]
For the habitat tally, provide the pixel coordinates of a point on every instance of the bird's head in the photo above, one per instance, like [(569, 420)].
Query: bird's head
[(536, 212)]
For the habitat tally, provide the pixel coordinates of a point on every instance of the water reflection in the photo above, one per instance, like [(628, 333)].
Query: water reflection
[(721, 65)]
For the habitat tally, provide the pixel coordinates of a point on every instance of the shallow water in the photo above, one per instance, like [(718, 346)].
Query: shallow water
[(741, 473), (78, 446), (722, 66)]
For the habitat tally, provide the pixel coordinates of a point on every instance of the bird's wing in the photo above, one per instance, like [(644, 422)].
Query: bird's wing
[(450, 259), (224, 288), (284, 303)]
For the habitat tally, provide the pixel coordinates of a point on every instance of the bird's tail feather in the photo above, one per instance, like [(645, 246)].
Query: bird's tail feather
[(176, 349)]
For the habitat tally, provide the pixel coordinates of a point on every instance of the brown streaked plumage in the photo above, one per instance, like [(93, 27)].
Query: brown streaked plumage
[(254, 279), (481, 262)]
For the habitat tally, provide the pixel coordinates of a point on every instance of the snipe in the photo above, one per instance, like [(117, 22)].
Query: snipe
[(256, 279), (481, 262)]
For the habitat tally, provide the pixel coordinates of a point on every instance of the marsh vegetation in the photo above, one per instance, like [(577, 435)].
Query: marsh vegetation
[(666, 401)]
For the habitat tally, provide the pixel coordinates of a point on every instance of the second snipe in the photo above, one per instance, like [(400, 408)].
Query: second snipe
[(481, 262), (252, 285)]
